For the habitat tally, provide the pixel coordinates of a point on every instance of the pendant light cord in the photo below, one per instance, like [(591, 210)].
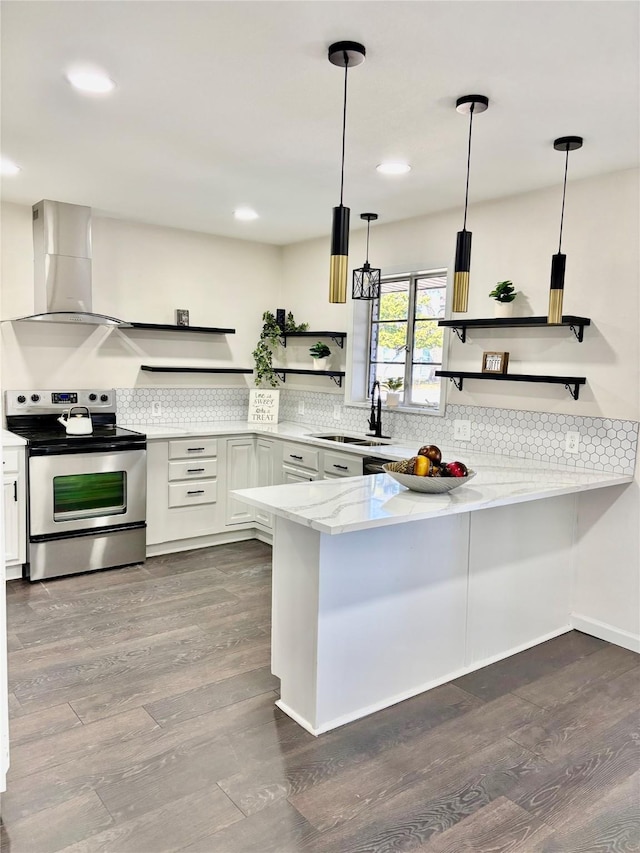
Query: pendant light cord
[(368, 226), (564, 192), (344, 123), (466, 193)]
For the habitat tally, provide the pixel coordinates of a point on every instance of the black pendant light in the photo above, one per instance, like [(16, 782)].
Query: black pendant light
[(346, 54), (467, 105), (366, 279), (559, 261)]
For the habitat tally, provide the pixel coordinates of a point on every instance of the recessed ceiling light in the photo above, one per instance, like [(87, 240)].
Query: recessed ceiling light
[(393, 168), (246, 214), (90, 80), (8, 167)]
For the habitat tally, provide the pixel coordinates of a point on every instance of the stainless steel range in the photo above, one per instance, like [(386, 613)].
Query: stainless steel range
[(87, 492)]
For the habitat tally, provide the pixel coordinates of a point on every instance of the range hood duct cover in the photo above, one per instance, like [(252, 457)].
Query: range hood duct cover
[(62, 265)]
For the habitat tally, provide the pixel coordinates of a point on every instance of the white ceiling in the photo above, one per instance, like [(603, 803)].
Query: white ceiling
[(221, 104)]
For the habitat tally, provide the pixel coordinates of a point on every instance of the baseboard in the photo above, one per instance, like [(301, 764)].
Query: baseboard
[(606, 632), (224, 538), (13, 573)]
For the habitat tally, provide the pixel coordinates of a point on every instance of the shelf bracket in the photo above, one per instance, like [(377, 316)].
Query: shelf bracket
[(281, 376), (337, 380), (574, 390), (338, 341), (457, 381), (461, 332), (578, 331), (283, 341)]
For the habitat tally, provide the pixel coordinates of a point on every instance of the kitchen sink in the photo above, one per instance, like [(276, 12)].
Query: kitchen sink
[(350, 439)]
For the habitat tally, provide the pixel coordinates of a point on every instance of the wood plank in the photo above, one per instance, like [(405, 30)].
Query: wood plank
[(167, 829), (192, 703), (58, 827), (458, 740), (512, 673), (42, 724), (13, 643), (500, 827)]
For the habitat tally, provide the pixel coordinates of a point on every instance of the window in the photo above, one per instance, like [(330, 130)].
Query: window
[(405, 339)]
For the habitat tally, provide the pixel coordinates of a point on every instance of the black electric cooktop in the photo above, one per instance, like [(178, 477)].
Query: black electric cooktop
[(45, 431)]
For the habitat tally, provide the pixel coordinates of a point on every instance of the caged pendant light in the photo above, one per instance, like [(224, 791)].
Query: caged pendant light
[(467, 105), (558, 261), (345, 54), (366, 279)]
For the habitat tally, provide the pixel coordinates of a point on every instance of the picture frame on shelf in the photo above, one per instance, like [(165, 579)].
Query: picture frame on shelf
[(495, 362), (182, 317)]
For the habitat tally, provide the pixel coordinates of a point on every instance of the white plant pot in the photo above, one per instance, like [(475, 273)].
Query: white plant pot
[(504, 309), (393, 398), (320, 363)]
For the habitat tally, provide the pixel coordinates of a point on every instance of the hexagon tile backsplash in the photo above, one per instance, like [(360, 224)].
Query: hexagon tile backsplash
[(605, 444)]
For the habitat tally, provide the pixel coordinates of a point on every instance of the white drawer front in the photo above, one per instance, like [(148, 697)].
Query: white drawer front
[(342, 465), (197, 469), (192, 447), (300, 455), (10, 461), (193, 493)]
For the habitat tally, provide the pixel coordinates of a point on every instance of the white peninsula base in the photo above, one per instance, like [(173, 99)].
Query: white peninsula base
[(365, 619)]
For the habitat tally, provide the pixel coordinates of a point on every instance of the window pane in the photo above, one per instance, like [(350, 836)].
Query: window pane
[(394, 301), (425, 389), (427, 342), (430, 297)]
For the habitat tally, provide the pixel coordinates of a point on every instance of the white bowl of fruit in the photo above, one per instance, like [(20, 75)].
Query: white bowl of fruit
[(428, 473)]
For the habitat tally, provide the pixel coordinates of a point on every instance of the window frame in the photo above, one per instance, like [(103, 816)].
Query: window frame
[(413, 277)]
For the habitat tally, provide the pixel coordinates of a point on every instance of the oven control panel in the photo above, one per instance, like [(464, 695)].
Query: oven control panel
[(43, 402)]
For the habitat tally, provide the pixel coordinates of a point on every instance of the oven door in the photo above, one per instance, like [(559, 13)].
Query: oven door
[(86, 491)]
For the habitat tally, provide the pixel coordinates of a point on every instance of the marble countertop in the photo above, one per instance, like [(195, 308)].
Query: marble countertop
[(360, 503), (9, 439)]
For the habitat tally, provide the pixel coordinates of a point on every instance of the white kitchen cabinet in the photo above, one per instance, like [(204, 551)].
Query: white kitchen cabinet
[(265, 475), (298, 475), (336, 464), (15, 509), (240, 475)]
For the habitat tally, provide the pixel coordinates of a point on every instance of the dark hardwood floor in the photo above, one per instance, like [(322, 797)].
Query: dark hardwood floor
[(143, 721)]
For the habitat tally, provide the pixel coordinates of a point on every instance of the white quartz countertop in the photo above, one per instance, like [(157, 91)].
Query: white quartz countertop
[(360, 503), (9, 439)]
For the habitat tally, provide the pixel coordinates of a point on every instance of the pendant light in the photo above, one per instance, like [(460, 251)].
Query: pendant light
[(345, 54), (467, 105), (558, 262), (366, 279)]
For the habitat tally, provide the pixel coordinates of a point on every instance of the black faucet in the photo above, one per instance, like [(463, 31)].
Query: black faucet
[(375, 419)]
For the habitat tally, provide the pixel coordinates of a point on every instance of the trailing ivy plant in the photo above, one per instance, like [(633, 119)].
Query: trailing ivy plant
[(268, 342)]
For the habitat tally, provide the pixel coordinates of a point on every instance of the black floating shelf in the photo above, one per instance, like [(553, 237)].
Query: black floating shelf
[(571, 383), (337, 337), (576, 324), (167, 327), (157, 369), (283, 372)]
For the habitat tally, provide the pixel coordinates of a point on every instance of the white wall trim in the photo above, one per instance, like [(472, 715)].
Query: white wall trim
[(606, 632)]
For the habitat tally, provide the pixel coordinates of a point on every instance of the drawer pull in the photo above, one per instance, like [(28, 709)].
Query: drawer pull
[(293, 456), (194, 470), (195, 449), (342, 467), (196, 492)]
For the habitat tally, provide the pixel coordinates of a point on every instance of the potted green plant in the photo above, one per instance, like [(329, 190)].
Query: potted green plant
[(504, 293), (269, 341), (393, 386), (320, 354)]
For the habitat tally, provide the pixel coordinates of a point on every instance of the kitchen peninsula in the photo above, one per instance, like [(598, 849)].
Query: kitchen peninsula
[(380, 593)]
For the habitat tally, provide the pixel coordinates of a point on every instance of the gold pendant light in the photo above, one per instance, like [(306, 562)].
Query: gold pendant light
[(467, 105), (345, 54), (559, 261)]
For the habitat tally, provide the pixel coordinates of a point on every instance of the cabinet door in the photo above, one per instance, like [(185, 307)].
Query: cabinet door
[(240, 468), (264, 476), (291, 476), (157, 507), (11, 522)]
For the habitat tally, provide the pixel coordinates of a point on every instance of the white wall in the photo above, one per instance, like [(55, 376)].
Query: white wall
[(140, 272), (514, 239)]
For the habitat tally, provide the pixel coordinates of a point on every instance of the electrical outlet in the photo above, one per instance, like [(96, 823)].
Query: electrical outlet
[(156, 409), (337, 413), (301, 407), (572, 442), (462, 430)]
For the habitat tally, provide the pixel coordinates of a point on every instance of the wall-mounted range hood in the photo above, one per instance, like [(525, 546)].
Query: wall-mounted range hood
[(62, 266)]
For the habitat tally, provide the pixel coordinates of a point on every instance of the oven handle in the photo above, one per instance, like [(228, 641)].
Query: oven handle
[(93, 447)]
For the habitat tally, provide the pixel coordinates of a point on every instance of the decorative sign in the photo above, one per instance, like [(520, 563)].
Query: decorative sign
[(495, 362), (263, 406), (182, 317)]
